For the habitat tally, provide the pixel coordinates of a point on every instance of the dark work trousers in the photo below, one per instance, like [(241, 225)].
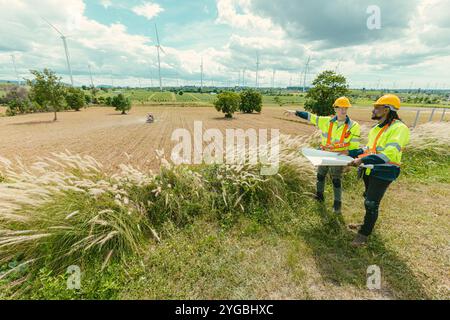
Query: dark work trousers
[(374, 192), (336, 176)]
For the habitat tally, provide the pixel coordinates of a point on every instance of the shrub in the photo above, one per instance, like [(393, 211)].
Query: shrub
[(16, 107), (228, 103), (251, 100), (121, 103), (75, 99), (16, 99), (101, 100)]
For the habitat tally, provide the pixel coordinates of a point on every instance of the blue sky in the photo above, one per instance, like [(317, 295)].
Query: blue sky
[(176, 15), (411, 47)]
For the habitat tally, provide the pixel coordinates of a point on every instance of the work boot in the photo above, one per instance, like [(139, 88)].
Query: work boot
[(337, 207), (359, 241), (319, 196)]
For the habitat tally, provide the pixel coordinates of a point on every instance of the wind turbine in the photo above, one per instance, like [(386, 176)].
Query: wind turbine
[(201, 75), (90, 74), (159, 49), (257, 69), (13, 58), (306, 71), (63, 37), (273, 79), (338, 65)]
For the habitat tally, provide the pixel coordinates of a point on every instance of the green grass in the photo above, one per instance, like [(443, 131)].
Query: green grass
[(143, 96)]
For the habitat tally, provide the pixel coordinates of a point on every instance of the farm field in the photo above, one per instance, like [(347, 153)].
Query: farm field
[(109, 136)]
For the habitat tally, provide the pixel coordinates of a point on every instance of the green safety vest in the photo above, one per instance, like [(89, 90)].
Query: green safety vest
[(387, 142)]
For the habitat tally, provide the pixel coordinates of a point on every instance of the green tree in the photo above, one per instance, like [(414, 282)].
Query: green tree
[(327, 87), (251, 100), (108, 101), (47, 90), (75, 98), (121, 103), (228, 103)]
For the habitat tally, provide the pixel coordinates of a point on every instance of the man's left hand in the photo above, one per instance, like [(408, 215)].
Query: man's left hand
[(355, 163)]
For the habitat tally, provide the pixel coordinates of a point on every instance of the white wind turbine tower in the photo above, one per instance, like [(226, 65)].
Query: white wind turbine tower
[(13, 58), (338, 65), (63, 37), (257, 69), (90, 75), (201, 75), (273, 79), (158, 49), (305, 73)]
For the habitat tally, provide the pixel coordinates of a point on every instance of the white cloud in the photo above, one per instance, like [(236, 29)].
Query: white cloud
[(148, 10), (228, 14), (106, 3)]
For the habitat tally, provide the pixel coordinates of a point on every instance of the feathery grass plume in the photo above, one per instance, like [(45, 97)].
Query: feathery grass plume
[(64, 210)]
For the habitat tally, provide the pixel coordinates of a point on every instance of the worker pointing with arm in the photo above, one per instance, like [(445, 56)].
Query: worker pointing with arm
[(339, 134), (384, 151)]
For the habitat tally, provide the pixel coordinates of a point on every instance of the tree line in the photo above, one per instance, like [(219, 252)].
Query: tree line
[(46, 93)]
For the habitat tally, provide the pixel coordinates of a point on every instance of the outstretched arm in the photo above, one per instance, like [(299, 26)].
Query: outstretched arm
[(302, 114)]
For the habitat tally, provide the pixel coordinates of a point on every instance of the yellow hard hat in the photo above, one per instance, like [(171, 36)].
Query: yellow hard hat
[(342, 102), (390, 100)]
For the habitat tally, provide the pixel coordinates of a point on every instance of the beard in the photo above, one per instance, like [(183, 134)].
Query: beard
[(376, 117)]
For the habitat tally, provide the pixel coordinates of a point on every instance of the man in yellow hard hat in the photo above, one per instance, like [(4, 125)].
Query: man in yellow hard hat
[(339, 133), (384, 151)]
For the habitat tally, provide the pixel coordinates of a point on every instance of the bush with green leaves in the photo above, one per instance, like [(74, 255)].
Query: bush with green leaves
[(251, 100), (87, 99), (327, 87), (228, 103), (121, 103), (75, 98), (17, 100)]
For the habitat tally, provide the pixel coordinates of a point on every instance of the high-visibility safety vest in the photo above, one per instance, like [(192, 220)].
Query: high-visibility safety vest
[(337, 137), (387, 143)]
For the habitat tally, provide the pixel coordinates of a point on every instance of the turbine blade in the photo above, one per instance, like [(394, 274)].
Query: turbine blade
[(162, 50), (157, 36), (53, 27)]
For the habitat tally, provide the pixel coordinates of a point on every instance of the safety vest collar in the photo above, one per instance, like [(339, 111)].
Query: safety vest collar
[(347, 121)]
